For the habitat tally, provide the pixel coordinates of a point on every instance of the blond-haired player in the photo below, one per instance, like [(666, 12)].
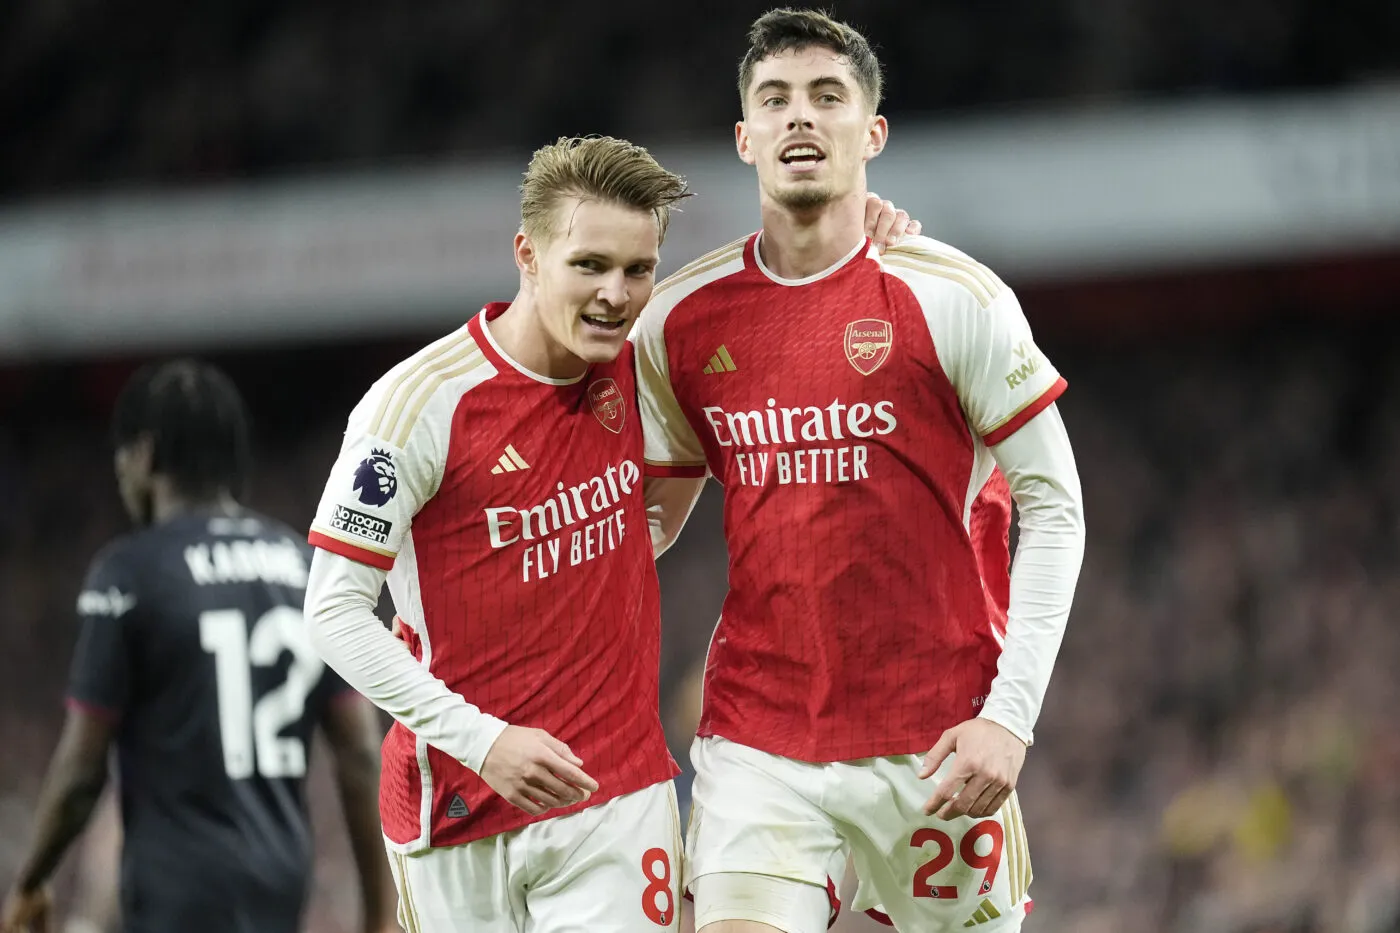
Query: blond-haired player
[(871, 417), (494, 480)]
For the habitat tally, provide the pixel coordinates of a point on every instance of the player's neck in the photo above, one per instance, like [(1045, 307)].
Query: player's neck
[(168, 502), (520, 335), (796, 244)]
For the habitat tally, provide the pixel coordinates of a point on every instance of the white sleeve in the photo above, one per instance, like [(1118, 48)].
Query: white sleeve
[(672, 448), (341, 596), (1001, 377), (384, 474), (1039, 466)]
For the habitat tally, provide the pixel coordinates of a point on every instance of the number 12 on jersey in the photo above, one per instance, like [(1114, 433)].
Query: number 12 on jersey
[(251, 731)]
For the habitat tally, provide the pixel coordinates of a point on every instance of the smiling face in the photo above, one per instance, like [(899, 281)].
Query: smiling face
[(807, 128), (590, 276)]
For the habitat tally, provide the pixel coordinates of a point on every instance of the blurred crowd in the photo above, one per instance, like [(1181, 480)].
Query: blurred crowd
[(1219, 750), (96, 94)]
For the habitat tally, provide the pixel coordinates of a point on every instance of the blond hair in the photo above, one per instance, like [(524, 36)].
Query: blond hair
[(790, 30), (596, 168)]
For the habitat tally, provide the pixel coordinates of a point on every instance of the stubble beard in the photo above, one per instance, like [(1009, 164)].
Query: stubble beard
[(804, 197)]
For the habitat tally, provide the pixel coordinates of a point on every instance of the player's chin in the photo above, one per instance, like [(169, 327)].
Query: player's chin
[(803, 194)]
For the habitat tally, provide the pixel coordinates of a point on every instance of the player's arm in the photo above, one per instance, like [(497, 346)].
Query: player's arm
[(72, 787), (383, 477), (353, 732), (528, 767), (1039, 465), (78, 770), (96, 898), (676, 468), (670, 500), (1008, 389)]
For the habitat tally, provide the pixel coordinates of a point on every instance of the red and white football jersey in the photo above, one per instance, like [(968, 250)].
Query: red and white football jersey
[(508, 511), (848, 415)]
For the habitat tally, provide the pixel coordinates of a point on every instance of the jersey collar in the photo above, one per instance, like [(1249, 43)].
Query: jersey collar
[(499, 358), (862, 247)]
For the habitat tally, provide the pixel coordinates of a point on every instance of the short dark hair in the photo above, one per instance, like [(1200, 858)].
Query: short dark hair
[(789, 30), (197, 423)]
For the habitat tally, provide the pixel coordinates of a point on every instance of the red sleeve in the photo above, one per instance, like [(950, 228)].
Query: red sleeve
[(675, 471), (110, 716), (359, 555), (1018, 421)]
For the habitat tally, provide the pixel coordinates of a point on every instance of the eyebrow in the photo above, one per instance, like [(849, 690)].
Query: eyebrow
[(594, 254), (775, 84)]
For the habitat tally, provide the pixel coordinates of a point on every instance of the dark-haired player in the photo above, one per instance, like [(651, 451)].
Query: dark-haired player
[(193, 663), (871, 417)]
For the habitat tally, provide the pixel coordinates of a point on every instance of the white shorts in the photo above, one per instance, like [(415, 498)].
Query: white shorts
[(759, 814), (613, 868)]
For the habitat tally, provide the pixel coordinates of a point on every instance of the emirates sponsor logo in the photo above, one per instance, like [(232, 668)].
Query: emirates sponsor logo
[(570, 506), (576, 525), (795, 445), (781, 424)]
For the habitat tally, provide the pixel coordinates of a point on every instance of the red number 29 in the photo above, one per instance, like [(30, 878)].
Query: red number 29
[(660, 878), (988, 863)]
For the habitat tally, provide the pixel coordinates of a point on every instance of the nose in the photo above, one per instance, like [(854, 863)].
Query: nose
[(612, 291), (798, 115)]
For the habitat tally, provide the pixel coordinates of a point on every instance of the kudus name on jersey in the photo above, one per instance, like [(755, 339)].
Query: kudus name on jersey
[(592, 511), (778, 425)]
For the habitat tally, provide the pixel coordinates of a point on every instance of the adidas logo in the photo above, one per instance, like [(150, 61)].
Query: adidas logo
[(457, 808), (985, 914), (510, 461), (721, 362)]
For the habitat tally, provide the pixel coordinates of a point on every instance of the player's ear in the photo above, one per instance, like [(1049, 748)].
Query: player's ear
[(879, 135), (526, 256), (145, 452), (742, 143), (136, 456)]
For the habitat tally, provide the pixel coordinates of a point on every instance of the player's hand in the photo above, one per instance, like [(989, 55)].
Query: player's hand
[(885, 224), (27, 912), (983, 775), (535, 771), (399, 630)]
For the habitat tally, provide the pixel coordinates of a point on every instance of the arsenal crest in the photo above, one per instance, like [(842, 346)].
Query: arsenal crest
[(868, 343), (608, 404)]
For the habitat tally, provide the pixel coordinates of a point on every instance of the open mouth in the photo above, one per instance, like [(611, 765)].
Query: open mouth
[(801, 154), (604, 323)]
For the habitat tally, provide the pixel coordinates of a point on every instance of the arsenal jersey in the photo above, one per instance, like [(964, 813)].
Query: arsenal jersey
[(849, 416), (507, 509)]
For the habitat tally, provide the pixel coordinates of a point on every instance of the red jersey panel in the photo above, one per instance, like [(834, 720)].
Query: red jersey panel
[(848, 416), (510, 510)]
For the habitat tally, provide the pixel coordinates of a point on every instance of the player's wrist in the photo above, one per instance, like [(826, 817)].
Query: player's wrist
[(1025, 737), (485, 733)]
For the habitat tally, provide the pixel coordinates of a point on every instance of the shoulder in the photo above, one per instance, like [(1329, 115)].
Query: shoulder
[(126, 553), (693, 277), (113, 574), (934, 269), (422, 386), (276, 531)]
